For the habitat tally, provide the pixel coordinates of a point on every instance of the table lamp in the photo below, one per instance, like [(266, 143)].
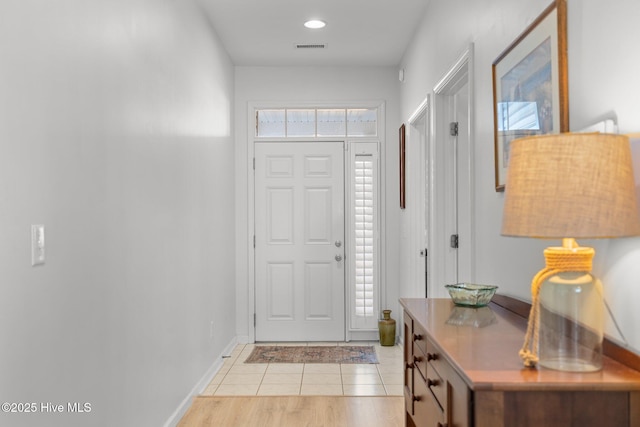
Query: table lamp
[(568, 186)]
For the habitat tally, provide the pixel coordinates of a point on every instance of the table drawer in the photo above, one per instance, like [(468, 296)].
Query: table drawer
[(419, 338), (432, 379), (435, 359), (427, 412)]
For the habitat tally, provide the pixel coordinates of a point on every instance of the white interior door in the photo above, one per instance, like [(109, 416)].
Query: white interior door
[(457, 184), (451, 192), (452, 171), (299, 249), (419, 145), (464, 189)]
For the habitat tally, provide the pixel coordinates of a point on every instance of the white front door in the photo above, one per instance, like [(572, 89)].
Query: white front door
[(299, 249)]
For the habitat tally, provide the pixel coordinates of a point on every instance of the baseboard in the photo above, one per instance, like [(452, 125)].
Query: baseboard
[(201, 385), (243, 339), (371, 335)]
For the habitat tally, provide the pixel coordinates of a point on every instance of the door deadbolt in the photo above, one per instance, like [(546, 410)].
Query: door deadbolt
[(338, 257), (338, 243)]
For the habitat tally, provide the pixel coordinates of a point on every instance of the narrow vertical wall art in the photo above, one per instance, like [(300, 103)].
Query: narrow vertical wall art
[(402, 168)]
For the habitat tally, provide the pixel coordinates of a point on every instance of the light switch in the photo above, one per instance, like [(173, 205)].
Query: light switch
[(37, 244)]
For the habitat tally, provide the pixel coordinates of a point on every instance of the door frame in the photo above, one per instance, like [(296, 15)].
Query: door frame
[(247, 295), (418, 137), (443, 91)]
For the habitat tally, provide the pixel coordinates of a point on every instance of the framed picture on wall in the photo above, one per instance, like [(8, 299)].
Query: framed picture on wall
[(530, 85), (402, 167)]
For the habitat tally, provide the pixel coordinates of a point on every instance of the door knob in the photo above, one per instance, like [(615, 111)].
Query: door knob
[(338, 257)]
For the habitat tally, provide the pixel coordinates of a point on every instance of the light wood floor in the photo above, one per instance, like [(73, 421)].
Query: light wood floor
[(295, 411)]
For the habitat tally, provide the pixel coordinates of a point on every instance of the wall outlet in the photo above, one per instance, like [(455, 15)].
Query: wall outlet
[(37, 244)]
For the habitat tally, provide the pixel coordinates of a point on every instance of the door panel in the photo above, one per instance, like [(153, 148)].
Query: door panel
[(299, 215), (318, 291), (280, 215), (280, 291), (318, 213)]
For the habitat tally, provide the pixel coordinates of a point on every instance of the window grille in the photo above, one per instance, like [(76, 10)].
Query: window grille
[(316, 122)]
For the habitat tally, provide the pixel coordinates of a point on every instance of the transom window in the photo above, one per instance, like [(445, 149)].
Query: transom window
[(316, 122)]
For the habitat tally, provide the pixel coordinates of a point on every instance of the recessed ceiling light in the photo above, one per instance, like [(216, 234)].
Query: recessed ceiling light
[(315, 24)]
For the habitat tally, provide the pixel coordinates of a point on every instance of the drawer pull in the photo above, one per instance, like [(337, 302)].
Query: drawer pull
[(417, 359), (431, 356), (408, 366), (417, 337), (442, 425), (415, 398), (432, 383)]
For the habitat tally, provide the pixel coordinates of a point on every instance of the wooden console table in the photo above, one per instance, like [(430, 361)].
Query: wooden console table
[(462, 369)]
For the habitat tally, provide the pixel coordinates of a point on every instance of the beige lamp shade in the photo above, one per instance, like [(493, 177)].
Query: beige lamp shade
[(570, 185)]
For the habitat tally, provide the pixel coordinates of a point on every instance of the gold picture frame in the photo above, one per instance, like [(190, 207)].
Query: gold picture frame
[(530, 85)]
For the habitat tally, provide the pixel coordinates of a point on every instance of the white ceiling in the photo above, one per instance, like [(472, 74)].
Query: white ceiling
[(358, 32)]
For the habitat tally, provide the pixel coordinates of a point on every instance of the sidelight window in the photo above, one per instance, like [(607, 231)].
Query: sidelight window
[(364, 281)]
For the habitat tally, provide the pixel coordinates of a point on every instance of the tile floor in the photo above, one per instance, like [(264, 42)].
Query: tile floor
[(238, 378)]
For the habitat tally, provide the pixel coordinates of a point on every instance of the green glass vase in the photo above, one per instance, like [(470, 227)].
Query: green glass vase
[(387, 328)]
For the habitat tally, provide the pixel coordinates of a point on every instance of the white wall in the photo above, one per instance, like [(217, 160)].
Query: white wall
[(314, 84), (602, 83), (115, 133)]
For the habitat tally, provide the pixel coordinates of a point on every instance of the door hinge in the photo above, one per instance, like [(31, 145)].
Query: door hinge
[(254, 163), (254, 241), (453, 128), (454, 241), (254, 320)]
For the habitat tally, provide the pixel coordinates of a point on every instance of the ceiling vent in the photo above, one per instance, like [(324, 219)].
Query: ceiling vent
[(310, 45)]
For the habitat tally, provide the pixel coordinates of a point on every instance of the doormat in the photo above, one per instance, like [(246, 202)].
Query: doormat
[(313, 354)]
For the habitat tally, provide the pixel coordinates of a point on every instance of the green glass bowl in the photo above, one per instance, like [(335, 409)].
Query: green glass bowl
[(471, 294)]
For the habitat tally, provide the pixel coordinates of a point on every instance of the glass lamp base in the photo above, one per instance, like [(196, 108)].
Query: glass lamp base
[(571, 322), (570, 365)]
